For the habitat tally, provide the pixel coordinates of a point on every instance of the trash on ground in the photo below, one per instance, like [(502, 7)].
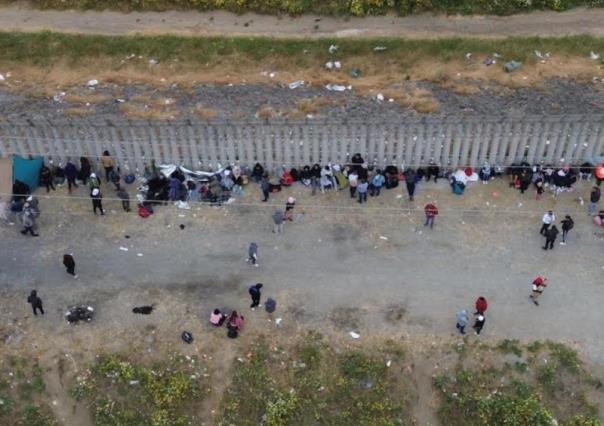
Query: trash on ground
[(468, 56), (594, 56), (187, 337), (2, 77), (512, 66), (79, 313), (333, 65), (278, 321), (296, 84), (355, 73), (143, 310), (380, 97), (59, 97), (139, 254), (182, 226), (388, 363), (497, 55), (332, 49), (92, 83), (354, 335), (182, 205), (489, 61), (379, 48), (383, 238), (153, 61), (124, 248), (337, 87)]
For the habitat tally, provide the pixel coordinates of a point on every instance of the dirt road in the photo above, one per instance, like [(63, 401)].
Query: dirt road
[(577, 21)]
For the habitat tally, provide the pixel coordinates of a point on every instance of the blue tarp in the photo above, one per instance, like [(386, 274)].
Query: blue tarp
[(27, 171)]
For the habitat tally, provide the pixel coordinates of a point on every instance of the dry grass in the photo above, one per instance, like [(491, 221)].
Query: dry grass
[(206, 113), (136, 111), (313, 105), (85, 98), (266, 112), (77, 112)]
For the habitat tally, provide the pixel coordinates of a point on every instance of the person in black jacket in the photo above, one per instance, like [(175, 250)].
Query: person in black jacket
[(71, 173), (96, 201), (85, 170), (567, 225), (46, 179), (35, 302), (594, 199), (69, 263), (550, 237)]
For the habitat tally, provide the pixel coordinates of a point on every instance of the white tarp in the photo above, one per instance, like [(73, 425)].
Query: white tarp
[(168, 169)]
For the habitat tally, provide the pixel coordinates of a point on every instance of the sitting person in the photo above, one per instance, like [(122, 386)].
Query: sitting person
[(257, 173), (286, 179), (217, 318), (235, 321)]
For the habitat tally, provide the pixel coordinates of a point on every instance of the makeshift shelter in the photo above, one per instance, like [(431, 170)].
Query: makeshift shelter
[(27, 170)]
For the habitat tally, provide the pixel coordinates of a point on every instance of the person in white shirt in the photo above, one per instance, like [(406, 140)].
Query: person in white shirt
[(548, 219)]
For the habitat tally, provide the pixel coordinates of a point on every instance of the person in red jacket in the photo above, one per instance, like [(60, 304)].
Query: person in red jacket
[(431, 212), (481, 305), (539, 285)]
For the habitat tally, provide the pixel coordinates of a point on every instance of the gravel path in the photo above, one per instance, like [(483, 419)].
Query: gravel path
[(577, 21)]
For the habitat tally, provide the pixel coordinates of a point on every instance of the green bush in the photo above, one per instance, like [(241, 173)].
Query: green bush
[(329, 7)]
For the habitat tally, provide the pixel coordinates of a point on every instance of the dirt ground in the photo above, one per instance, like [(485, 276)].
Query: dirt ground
[(576, 21), (338, 268)]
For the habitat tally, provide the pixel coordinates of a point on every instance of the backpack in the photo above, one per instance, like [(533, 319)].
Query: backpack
[(270, 305), (187, 337), (569, 224), (232, 333), (143, 212)]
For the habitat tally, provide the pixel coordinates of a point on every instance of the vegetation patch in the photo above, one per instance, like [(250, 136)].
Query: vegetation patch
[(315, 384), (22, 393), (328, 7), (121, 392)]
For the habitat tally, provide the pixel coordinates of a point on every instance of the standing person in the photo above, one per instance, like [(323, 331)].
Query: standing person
[(108, 164), (69, 263), (548, 219), (289, 209), (254, 292), (376, 183), (550, 237), (96, 201), (85, 170), (71, 173), (125, 197), (539, 191), (410, 182), (539, 284), (353, 182), (594, 198), (115, 177), (265, 186), (481, 305), (567, 225), (479, 323), (315, 177), (362, 190), (462, 321), (28, 220), (431, 211), (35, 302), (278, 218), (95, 182), (252, 252), (46, 179)]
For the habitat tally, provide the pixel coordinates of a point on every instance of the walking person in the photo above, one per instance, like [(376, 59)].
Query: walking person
[(35, 302), (46, 179), (265, 186), (71, 173), (95, 182), (362, 190), (115, 177), (567, 225), (28, 220), (96, 201), (252, 252), (550, 237), (462, 321), (125, 197), (278, 218), (431, 211), (376, 183), (481, 305), (353, 182), (594, 199), (410, 182), (548, 219), (479, 323), (254, 292), (69, 263), (539, 284), (108, 164)]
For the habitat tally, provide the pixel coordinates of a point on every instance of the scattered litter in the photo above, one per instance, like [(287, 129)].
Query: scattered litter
[(120, 100), (354, 335), (187, 337), (79, 313), (489, 61), (380, 97), (468, 56), (2, 77), (278, 321), (379, 48), (594, 56), (153, 61), (390, 100), (388, 363), (333, 65), (332, 49), (519, 204), (337, 65), (399, 196), (182, 226), (497, 55), (355, 73), (512, 66), (337, 87), (139, 254), (124, 248), (59, 97), (133, 382), (383, 238), (182, 205), (181, 215), (296, 84), (541, 55), (92, 83), (143, 310)]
